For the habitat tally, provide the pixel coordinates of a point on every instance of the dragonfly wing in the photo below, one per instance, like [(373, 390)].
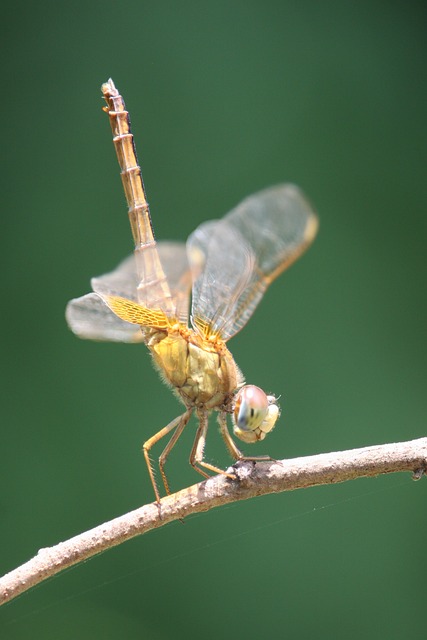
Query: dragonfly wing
[(90, 318), (279, 223), (273, 227), (173, 256), (124, 281), (222, 263)]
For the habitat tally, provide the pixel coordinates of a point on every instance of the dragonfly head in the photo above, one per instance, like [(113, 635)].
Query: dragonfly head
[(255, 414)]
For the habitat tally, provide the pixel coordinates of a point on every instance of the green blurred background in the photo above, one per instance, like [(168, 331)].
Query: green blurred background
[(226, 98)]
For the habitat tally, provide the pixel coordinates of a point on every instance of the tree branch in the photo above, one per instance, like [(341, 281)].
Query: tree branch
[(252, 479)]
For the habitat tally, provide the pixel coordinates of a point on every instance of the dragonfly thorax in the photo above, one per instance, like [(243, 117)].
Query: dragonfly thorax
[(202, 372)]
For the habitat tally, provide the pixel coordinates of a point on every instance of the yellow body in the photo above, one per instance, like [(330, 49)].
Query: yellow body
[(202, 372)]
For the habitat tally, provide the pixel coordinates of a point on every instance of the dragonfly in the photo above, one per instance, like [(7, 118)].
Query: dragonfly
[(225, 268)]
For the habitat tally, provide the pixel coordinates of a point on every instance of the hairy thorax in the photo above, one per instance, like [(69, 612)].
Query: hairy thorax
[(202, 372)]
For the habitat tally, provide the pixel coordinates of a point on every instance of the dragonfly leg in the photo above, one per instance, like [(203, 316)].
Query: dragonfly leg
[(183, 421), (229, 442), (178, 423), (197, 452)]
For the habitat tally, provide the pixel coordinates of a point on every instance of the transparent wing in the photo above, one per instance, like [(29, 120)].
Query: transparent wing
[(240, 255), (222, 263), (173, 256), (89, 316), (124, 281)]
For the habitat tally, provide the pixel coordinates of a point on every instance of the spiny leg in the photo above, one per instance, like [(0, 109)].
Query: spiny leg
[(197, 451), (148, 444), (170, 445)]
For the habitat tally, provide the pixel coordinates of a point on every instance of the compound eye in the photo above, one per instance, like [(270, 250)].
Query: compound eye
[(251, 408)]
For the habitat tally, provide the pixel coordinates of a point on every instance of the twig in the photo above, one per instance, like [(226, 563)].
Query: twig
[(253, 479)]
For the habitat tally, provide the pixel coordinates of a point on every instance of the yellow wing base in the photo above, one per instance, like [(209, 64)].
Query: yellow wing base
[(136, 314), (204, 328)]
